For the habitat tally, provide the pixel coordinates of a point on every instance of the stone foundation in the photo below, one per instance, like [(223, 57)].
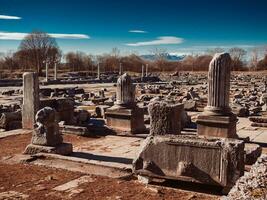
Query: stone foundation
[(214, 161), (126, 119), (217, 126), (62, 149)]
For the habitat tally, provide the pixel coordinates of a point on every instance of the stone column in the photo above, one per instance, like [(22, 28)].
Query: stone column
[(121, 69), (219, 85), (55, 71), (217, 120), (30, 99), (98, 71), (125, 117), (142, 76), (125, 91), (46, 71)]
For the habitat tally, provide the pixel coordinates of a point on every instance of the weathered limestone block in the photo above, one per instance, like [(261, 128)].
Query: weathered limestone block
[(125, 115), (46, 137), (214, 161), (82, 116), (217, 118), (30, 99), (46, 132), (64, 108), (9, 119), (125, 91), (75, 130), (100, 111), (126, 119), (62, 149), (165, 118)]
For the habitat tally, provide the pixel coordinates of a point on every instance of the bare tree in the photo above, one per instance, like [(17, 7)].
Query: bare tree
[(160, 57), (254, 57), (237, 55), (115, 52), (38, 47), (212, 52)]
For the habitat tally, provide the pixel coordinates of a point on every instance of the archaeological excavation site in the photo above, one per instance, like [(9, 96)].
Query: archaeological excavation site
[(133, 100)]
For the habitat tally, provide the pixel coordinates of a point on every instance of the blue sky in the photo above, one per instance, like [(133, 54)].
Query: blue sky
[(189, 26)]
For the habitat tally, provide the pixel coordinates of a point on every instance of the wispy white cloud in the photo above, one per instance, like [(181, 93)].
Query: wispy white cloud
[(20, 36), (159, 41), (9, 17), (137, 31)]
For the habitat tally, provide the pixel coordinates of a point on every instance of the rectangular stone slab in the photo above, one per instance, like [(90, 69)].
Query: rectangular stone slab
[(62, 149), (126, 119), (217, 126), (214, 161)]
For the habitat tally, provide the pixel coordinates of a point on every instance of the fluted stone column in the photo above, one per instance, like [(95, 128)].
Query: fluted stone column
[(219, 85), (125, 91), (217, 119), (120, 73), (46, 72), (98, 71), (55, 71), (142, 76)]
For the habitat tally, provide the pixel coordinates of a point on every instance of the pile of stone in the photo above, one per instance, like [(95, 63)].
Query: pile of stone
[(253, 185)]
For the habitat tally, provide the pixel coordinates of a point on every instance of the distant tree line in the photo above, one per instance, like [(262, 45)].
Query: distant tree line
[(38, 49)]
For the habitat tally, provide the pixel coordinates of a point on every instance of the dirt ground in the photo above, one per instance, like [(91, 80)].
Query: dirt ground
[(25, 181)]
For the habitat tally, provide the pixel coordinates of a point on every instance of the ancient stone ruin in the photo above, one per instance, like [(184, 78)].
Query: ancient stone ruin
[(125, 115), (30, 99), (165, 118), (217, 118), (46, 137), (209, 160)]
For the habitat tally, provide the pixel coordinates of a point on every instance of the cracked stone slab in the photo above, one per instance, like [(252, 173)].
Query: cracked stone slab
[(74, 184)]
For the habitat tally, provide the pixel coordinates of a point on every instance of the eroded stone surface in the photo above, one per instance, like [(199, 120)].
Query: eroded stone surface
[(165, 118), (46, 132), (253, 184), (216, 161), (30, 99)]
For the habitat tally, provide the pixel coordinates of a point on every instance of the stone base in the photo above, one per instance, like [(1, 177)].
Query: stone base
[(213, 161), (75, 130), (62, 149), (217, 126), (126, 119)]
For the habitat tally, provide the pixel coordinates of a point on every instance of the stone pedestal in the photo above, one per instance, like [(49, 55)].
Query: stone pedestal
[(213, 161), (125, 115), (219, 126), (126, 119)]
